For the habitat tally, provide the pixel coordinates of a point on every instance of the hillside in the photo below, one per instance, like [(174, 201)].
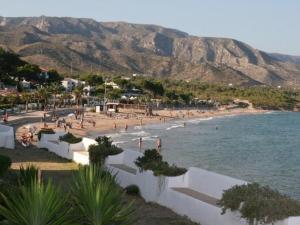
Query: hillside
[(147, 49)]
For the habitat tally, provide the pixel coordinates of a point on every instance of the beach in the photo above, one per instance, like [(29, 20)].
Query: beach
[(125, 118)]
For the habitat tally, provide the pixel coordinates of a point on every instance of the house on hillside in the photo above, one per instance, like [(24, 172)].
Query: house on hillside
[(69, 84), (112, 84)]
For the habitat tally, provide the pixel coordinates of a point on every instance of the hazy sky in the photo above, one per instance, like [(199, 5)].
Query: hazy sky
[(270, 25)]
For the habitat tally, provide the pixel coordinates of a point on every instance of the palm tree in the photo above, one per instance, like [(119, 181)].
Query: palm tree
[(12, 99), (55, 89), (41, 95), (26, 96), (35, 204), (98, 198), (78, 92)]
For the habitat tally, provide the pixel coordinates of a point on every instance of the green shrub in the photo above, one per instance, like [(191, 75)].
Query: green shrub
[(5, 106), (132, 190), (259, 205), (103, 140), (152, 160), (98, 153), (70, 138), (45, 131), (5, 163), (243, 105)]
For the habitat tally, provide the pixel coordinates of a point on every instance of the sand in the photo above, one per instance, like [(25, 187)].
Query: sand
[(106, 124)]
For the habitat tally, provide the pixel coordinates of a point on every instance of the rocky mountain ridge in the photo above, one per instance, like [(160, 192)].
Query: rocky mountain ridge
[(84, 45)]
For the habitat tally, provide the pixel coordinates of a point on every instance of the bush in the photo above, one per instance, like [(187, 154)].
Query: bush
[(45, 131), (98, 153), (243, 105), (132, 190), (259, 205), (5, 163), (103, 140), (152, 160), (70, 138)]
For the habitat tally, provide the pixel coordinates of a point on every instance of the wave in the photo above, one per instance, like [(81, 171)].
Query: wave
[(147, 138), (175, 126), (117, 143), (140, 133), (199, 120)]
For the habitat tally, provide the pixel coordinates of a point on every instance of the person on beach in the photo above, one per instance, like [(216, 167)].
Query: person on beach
[(5, 116), (94, 123), (158, 144), (184, 124), (140, 143), (65, 127), (126, 127), (81, 123)]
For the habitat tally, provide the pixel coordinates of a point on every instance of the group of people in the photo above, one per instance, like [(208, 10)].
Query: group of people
[(27, 138)]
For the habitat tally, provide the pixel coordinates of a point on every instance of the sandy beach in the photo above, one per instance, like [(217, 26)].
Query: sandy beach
[(105, 124)]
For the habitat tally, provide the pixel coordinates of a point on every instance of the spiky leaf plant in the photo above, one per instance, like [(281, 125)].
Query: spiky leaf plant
[(98, 198), (35, 204)]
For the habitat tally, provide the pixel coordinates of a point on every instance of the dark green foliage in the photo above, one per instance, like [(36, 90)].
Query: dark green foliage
[(152, 160), (98, 199), (93, 79), (5, 163), (259, 205), (243, 105), (98, 153), (70, 138), (35, 204), (28, 175), (132, 190), (45, 131), (103, 140)]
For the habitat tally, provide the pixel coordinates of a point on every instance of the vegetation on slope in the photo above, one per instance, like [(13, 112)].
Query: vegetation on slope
[(258, 204)]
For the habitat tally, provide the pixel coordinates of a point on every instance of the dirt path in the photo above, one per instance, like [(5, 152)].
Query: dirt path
[(60, 171)]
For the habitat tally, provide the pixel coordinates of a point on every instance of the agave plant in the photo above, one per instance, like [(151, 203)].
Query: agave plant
[(28, 174), (98, 198), (35, 204)]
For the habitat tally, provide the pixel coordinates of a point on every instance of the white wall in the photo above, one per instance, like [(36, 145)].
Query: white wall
[(77, 152), (159, 190), (7, 137)]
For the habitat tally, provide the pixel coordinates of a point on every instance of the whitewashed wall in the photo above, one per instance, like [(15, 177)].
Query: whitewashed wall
[(159, 190), (77, 152), (7, 137)]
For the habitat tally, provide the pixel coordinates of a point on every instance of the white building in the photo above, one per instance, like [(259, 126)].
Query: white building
[(69, 84), (112, 84)]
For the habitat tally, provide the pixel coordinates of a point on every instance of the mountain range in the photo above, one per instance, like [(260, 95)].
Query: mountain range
[(79, 45)]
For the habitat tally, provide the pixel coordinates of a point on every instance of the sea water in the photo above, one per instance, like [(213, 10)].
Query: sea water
[(263, 148)]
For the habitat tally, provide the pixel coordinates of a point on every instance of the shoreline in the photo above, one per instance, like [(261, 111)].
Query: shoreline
[(105, 124)]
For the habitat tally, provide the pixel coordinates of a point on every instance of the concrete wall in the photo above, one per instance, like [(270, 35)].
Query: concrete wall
[(7, 137), (77, 152), (159, 190)]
